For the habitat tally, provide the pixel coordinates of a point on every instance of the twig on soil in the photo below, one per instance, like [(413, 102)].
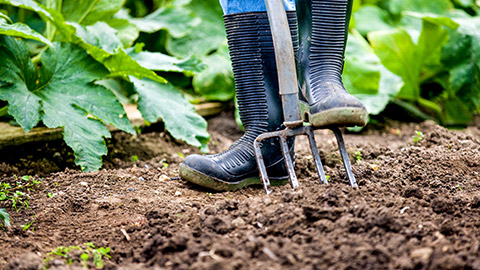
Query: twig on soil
[(210, 254), (404, 209), (127, 237), (270, 254)]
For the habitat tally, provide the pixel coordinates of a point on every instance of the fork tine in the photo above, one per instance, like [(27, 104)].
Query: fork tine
[(344, 154), (288, 162), (316, 156), (261, 166)]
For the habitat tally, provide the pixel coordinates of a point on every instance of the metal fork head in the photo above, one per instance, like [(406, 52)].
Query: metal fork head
[(308, 131)]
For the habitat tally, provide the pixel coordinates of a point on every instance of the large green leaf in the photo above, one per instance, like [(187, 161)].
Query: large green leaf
[(366, 78), (206, 37), (216, 81), (162, 62), (62, 94), (127, 32), (158, 100), (4, 217), (175, 19), (424, 6), (30, 5), (21, 30), (20, 74), (88, 12), (101, 42), (461, 56), (372, 18), (399, 54)]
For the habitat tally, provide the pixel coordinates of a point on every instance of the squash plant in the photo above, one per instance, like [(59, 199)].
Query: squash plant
[(73, 69)]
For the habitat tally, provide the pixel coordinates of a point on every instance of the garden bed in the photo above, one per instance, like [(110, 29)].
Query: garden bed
[(417, 206)]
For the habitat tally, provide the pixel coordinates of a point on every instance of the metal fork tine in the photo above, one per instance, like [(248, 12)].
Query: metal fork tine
[(288, 162), (344, 154), (261, 166), (316, 156)]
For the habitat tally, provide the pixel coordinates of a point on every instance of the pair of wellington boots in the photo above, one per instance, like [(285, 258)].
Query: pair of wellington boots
[(319, 46)]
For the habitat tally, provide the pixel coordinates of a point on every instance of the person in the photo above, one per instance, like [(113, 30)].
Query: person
[(319, 37)]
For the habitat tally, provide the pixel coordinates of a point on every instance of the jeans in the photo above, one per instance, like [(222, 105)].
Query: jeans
[(241, 6)]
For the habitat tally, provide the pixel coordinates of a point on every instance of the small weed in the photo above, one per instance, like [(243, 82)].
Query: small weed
[(328, 178), (16, 193), (180, 155), (418, 136), (88, 253), (50, 195), (28, 225), (165, 166), (358, 156), (459, 187), (134, 158)]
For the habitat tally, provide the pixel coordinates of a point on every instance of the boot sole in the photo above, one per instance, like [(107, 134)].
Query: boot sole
[(198, 178), (344, 116)]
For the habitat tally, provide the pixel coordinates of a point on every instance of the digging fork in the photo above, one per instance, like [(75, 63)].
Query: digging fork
[(294, 125)]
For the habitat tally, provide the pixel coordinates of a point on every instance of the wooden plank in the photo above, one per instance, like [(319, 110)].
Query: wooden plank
[(14, 135)]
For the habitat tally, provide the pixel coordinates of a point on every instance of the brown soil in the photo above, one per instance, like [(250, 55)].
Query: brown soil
[(418, 206)]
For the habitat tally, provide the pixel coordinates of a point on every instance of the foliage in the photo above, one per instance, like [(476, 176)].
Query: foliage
[(70, 64), (85, 254), (423, 55), (4, 217), (17, 195), (418, 136)]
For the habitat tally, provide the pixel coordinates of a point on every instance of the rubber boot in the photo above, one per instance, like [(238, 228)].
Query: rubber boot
[(259, 104), (322, 32)]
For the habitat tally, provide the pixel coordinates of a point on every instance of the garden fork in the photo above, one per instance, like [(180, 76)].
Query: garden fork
[(294, 125)]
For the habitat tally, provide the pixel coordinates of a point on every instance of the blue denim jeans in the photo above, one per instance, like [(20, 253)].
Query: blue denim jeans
[(241, 6)]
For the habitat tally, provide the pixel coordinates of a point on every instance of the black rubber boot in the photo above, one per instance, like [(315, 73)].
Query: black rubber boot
[(256, 80), (322, 32)]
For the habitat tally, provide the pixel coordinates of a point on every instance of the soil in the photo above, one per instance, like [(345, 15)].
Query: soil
[(417, 206)]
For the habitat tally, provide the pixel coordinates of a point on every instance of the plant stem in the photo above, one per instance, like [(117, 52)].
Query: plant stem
[(4, 111)]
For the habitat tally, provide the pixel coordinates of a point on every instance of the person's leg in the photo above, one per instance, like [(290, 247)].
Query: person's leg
[(241, 6), (322, 31), (256, 82)]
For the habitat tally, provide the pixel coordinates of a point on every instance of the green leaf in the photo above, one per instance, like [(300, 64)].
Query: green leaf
[(23, 31), (62, 94), (30, 5), (175, 19), (100, 35), (216, 81), (100, 41), (157, 100), (206, 37), (162, 62), (461, 56), (423, 6), (399, 54), (371, 18), (366, 78), (17, 67), (127, 32), (87, 12), (5, 217)]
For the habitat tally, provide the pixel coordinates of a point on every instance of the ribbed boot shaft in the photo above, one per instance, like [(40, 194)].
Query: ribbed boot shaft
[(329, 26), (256, 81), (251, 51)]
